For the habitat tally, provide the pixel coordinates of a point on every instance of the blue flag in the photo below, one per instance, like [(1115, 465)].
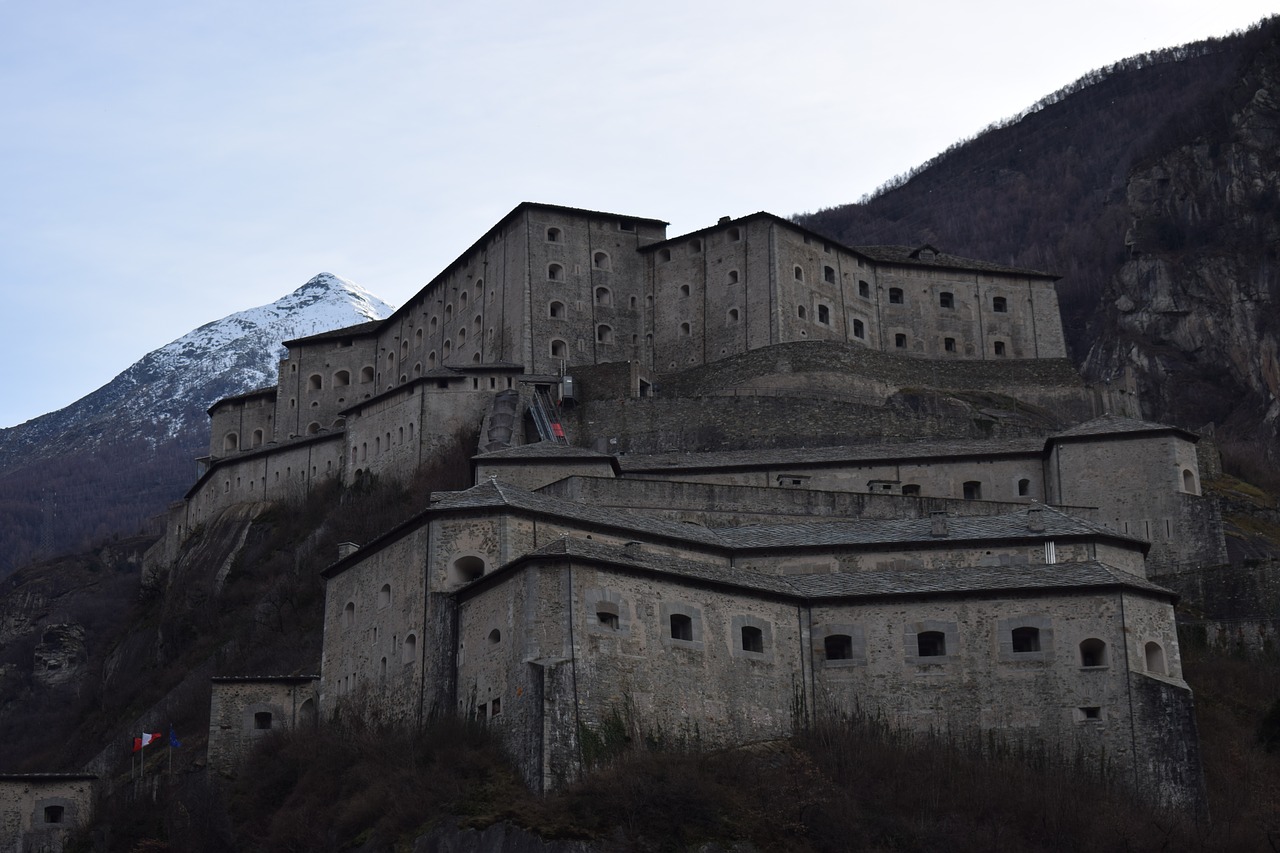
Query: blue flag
[(173, 738)]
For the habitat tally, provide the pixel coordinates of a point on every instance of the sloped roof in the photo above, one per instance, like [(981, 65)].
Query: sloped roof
[(868, 531), (344, 332), (912, 256), (1109, 424), (543, 450), (850, 585)]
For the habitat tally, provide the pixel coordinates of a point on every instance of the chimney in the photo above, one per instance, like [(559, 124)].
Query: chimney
[(346, 549), (724, 219), (1035, 519), (939, 523)]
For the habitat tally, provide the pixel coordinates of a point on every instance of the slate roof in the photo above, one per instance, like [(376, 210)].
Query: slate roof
[(344, 332), (814, 456), (816, 534), (543, 450), (1109, 424), (878, 584), (909, 256), (869, 531)]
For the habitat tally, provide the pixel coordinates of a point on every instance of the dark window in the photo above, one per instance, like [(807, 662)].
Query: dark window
[(495, 707), (859, 330), (900, 341), (262, 720), (553, 235), (734, 235), (799, 274), (864, 290), (911, 490), (1093, 652), (1091, 713), (1026, 640), (53, 814), (838, 647), (973, 490), (824, 315), (895, 295), (999, 305), (752, 639), (495, 637), (733, 276), (999, 347), (1024, 487), (946, 300), (949, 344), (608, 620), (681, 627), (664, 255), (829, 275), (931, 644), (800, 312)]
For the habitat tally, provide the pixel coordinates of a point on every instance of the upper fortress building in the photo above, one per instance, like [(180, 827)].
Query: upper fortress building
[(730, 481)]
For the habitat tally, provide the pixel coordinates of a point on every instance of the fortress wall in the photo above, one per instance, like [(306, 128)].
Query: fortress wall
[(1233, 607), (943, 555), (319, 379), (276, 474), (823, 280), (242, 711), (980, 684), (40, 811), (242, 423), (717, 505), (374, 642), (723, 423), (533, 474)]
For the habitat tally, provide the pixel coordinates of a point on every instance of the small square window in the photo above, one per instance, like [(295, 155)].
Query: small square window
[(752, 639), (681, 627), (946, 300)]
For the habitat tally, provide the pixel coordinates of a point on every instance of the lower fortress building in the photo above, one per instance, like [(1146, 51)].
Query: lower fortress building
[(727, 484)]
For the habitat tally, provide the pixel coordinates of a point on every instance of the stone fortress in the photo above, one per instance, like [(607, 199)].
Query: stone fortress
[(725, 484)]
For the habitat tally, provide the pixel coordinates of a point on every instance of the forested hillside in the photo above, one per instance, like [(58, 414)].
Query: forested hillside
[(1151, 187)]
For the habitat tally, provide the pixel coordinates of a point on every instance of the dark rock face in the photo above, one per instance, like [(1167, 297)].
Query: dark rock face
[(1190, 318)]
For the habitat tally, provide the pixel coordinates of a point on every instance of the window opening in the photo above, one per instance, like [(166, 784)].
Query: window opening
[(829, 274), (895, 296), (384, 595), (864, 289), (53, 814), (553, 235), (1093, 652), (262, 720), (681, 627), (911, 490), (1155, 659), (859, 329), (556, 310), (900, 341), (600, 261), (999, 347), (931, 644), (1026, 640), (799, 274), (946, 300), (1091, 714), (733, 276), (555, 272), (1024, 487), (604, 296), (973, 490), (495, 637), (999, 305), (752, 639), (949, 344), (838, 646)]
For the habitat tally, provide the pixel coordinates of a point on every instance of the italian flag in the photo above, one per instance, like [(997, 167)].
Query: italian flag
[(140, 742)]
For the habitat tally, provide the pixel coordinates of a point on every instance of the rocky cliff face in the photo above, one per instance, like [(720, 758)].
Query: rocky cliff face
[(1190, 316)]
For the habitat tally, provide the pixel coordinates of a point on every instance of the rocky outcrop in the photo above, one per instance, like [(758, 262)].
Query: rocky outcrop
[(1190, 317)]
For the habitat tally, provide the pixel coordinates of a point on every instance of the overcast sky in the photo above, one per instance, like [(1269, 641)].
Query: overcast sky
[(166, 164)]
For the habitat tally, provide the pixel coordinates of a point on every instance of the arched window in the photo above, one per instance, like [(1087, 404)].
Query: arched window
[(864, 289), (446, 349), (681, 627), (555, 272), (604, 296), (431, 359), (342, 378), (417, 337), (556, 310), (466, 569), (559, 349), (231, 442), (732, 316), (1024, 487), (799, 274), (349, 615), (600, 260), (824, 315), (313, 428), (495, 637), (752, 639), (800, 312), (1093, 652), (384, 595), (314, 382), (1189, 482), (999, 305), (733, 276), (366, 374), (1155, 658), (257, 438), (829, 275), (931, 644), (553, 235), (684, 290), (946, 300), (895, 296), (410, 648), (685, 330), (462, 300), (604, 334), (462, 335), (838, 647), (1026, 639)]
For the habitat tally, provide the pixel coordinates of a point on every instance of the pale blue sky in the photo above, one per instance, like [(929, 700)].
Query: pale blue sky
[(166, 164)]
